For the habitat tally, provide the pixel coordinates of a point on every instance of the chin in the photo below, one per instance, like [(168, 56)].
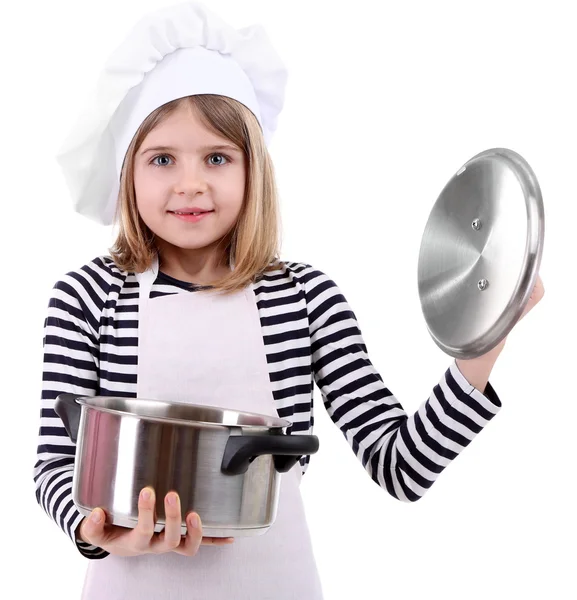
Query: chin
[(186, 243)]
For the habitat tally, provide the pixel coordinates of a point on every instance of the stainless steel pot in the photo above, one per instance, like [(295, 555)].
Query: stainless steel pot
[(225, 465), (480, 253)]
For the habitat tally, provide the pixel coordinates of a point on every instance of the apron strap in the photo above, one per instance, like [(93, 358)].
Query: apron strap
[(145, 283)]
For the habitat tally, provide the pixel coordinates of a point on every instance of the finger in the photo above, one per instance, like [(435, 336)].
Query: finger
[(540, 288), (92, 528), (191, 543), (171, 537), (214, 541), (144, 530), (537, 290), (536, 296)]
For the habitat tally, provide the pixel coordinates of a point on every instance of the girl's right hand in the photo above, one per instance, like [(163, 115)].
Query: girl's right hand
[(142, 539)]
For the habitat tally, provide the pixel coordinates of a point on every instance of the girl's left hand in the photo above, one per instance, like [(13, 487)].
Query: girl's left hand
[(477, 370), (536, 296)]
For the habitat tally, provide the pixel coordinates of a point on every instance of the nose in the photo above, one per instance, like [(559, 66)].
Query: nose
[(191, 179)]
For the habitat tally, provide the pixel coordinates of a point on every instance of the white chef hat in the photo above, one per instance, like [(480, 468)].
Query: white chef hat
[(178, 51)]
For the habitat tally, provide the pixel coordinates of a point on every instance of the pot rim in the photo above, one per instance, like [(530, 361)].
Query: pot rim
[(267, 422)]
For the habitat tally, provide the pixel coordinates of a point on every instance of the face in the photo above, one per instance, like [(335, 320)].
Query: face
[(189, 182)]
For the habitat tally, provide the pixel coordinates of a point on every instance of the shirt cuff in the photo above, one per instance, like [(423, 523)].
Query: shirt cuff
[(488, 399), (87, 550)]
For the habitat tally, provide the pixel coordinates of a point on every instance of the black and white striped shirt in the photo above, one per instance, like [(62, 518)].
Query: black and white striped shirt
[(311, 336)]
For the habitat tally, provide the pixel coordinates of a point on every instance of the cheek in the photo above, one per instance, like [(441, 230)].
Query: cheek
[(147, 190), (143, 203), (235, 192)]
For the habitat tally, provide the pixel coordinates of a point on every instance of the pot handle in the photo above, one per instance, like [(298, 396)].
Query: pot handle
[(69, 410), (241, 450)]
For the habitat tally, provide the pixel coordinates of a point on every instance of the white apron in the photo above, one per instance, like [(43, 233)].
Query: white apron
[(207, 349)]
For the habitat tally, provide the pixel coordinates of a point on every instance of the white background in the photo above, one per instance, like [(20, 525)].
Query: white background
[(385, 102)]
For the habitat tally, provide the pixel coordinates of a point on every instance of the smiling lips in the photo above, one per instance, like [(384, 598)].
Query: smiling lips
[(190, 215)]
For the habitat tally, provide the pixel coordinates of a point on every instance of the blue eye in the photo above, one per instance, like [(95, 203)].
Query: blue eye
[(163, 156), (218, 156)]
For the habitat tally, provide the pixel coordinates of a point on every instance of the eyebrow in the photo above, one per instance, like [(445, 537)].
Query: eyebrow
[(203, 149)]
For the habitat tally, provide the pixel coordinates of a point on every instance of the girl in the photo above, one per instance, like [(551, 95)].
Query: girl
[(176, 148)]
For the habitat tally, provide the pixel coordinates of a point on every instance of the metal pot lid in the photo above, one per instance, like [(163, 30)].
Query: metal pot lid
[(480, 253), (181, 413)]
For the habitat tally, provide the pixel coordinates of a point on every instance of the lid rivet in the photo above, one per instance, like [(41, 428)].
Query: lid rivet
[(483, 284), (476, 224)]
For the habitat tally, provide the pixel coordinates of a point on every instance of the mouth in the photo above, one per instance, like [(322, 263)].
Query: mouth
[(189, 212), (191, 216)]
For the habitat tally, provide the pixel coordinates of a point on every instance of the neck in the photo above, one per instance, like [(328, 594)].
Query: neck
[(203, 266)]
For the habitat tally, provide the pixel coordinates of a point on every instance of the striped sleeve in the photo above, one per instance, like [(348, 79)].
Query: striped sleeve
[(403, 454), (70, 365)]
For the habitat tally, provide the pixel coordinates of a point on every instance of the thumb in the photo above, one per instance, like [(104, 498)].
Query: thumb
[(92, 528), (536, 296)]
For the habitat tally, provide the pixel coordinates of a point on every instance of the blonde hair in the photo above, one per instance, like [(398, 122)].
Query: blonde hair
[(253, 243)]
